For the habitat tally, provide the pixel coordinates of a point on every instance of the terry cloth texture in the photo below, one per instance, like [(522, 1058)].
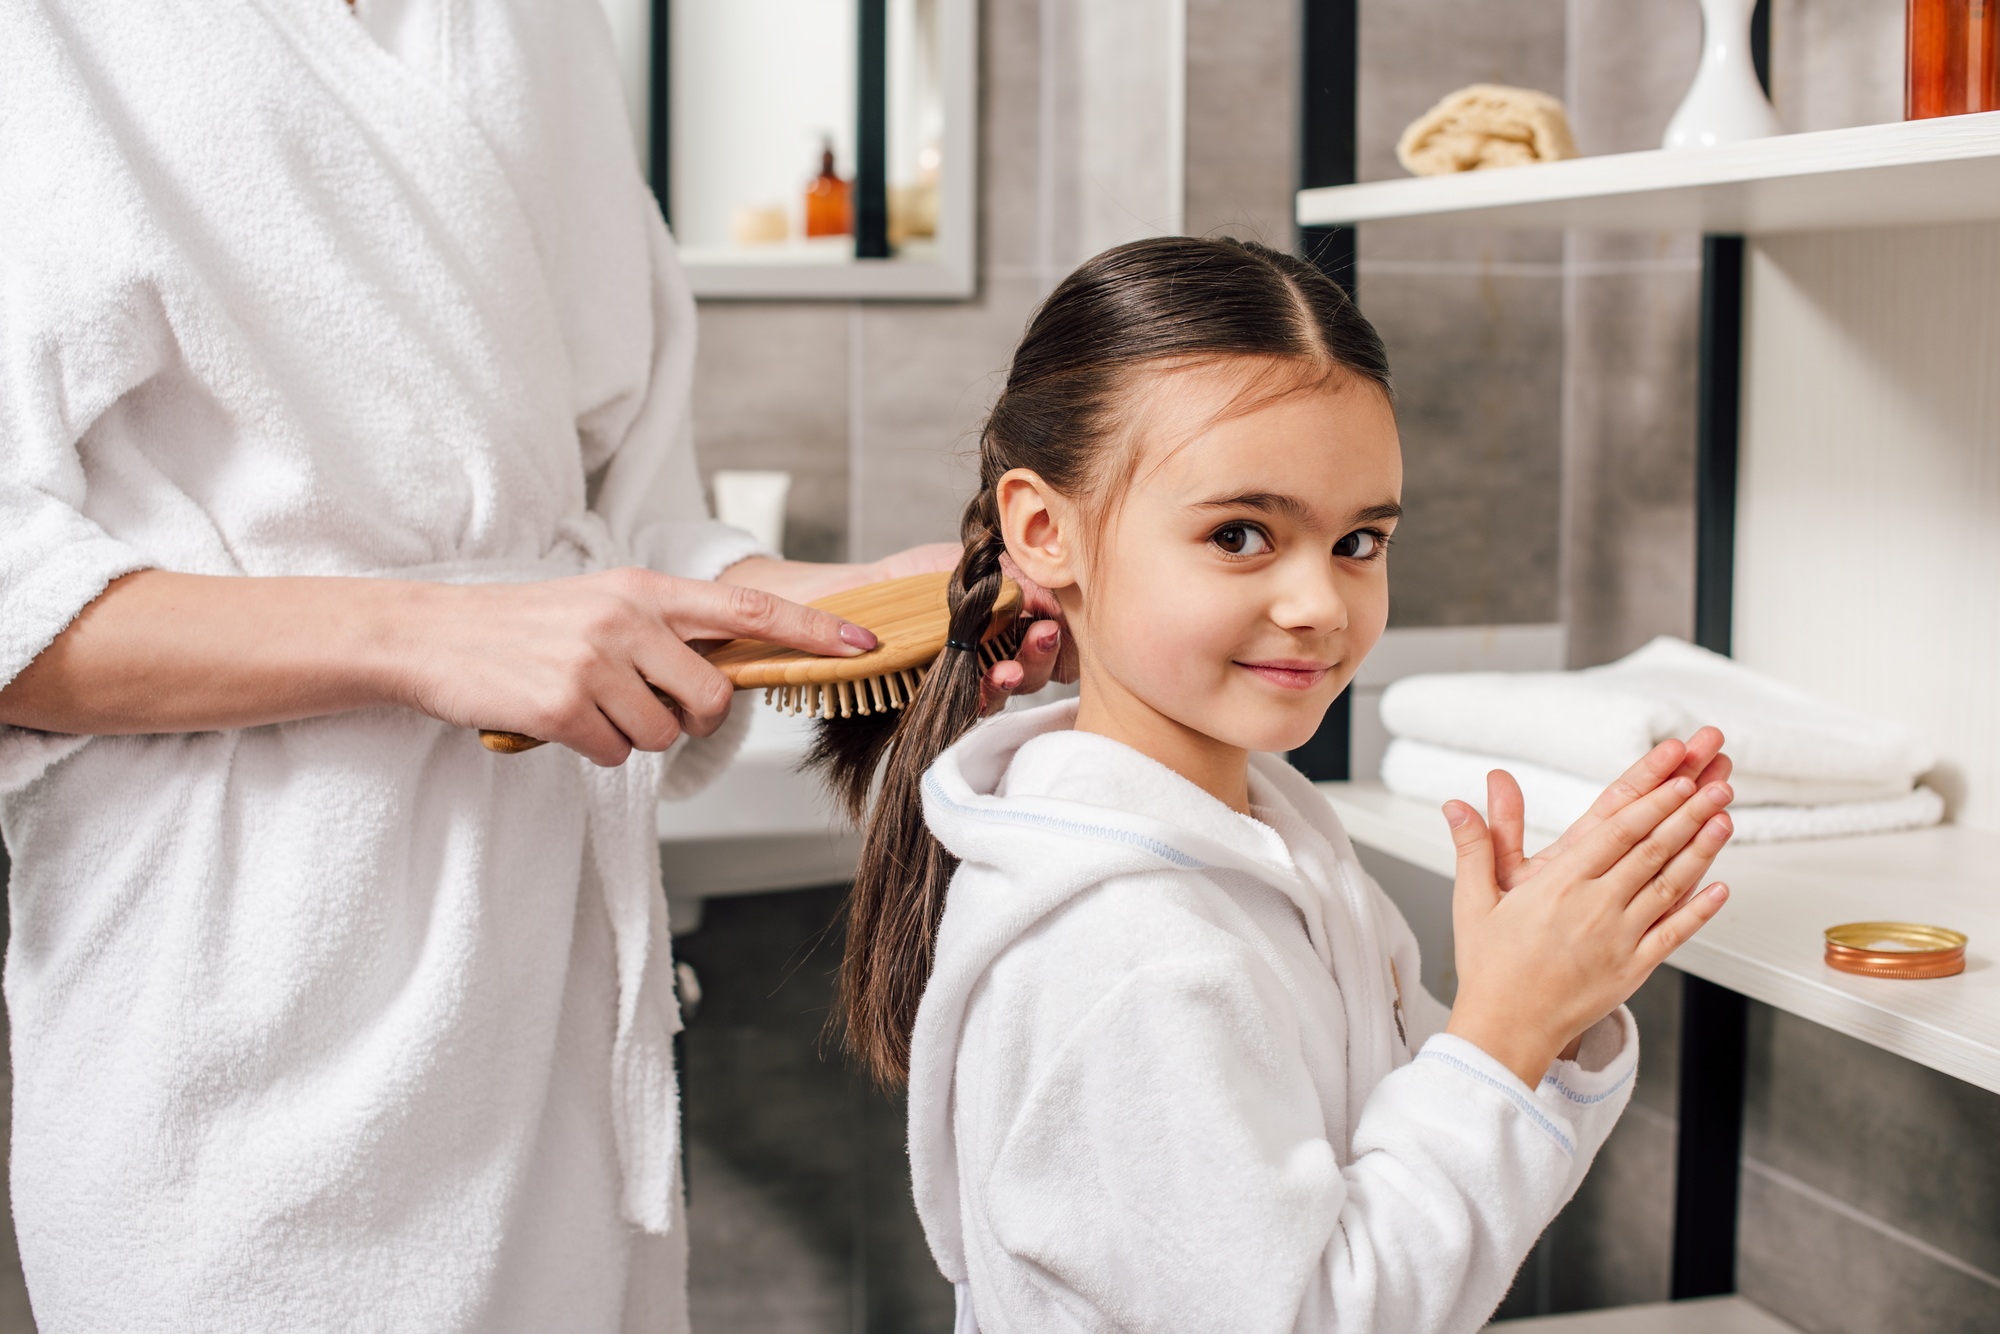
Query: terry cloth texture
[(1804, 768), (344, 1024), (1174, 1071), (1555, 800)]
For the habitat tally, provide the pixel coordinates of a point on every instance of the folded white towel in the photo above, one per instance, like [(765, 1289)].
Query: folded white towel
[(1556, 799), (1788, 747)]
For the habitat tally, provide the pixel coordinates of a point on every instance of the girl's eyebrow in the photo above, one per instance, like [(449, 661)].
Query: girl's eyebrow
[(1291, 507)]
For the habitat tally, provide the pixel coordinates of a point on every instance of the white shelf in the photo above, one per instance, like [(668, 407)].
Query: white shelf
[(1767, 942), (1705, 1315), (1904, 174)]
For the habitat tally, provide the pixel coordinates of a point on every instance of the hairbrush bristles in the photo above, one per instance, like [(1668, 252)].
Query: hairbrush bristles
[(877, 694)]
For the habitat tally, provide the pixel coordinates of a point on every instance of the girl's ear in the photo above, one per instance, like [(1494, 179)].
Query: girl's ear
[(1041, 528)]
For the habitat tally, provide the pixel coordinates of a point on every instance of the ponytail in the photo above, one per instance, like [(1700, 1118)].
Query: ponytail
[(899, 885), (1166, 300)]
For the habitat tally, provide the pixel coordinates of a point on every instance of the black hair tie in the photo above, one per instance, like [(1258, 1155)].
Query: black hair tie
[(961, 646)]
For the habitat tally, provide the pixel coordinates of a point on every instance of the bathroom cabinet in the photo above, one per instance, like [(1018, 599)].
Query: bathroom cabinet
[(1848, 538)]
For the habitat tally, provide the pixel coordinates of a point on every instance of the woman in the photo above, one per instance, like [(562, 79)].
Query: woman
[(346, 367)]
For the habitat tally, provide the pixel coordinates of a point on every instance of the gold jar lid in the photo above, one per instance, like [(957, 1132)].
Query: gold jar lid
[(1895, 949)]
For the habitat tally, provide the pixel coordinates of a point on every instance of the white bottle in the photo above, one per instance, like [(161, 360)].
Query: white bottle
[(1725, 103)]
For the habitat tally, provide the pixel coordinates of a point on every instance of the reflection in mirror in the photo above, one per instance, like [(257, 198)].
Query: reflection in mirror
[(819, 147)]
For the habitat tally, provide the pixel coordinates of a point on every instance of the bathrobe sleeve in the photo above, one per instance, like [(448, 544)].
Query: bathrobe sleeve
[(1170, 1170), (76, 334)]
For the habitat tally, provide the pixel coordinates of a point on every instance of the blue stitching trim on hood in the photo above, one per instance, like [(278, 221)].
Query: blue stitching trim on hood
[(1164, 851), (1527, 1107), (1584, 1100)]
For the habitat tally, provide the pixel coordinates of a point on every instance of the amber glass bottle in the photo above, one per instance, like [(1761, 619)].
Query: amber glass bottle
[(829, 200), (1952, 58)]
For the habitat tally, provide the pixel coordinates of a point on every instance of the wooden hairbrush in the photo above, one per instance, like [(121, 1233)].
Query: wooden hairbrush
[(910, 618)]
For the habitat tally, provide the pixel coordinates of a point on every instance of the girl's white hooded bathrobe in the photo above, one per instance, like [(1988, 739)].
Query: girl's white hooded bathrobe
[(1174, 1070), (345, 1024)]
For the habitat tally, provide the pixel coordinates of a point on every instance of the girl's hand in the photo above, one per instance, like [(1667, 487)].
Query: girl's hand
[(1699, 758), (584, 661), (1540, 962)]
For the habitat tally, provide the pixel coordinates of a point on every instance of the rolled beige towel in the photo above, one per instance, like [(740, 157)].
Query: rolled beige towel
[(1486, 125)]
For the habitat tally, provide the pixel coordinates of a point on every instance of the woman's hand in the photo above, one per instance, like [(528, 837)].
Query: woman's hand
[(1045, 651), (1579, 929), (601, 662), (567, 660)]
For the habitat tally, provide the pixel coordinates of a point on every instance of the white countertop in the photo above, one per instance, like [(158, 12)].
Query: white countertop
[(1767, 942)]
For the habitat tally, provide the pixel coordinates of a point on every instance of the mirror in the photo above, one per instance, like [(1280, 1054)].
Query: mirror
[(811, 148)]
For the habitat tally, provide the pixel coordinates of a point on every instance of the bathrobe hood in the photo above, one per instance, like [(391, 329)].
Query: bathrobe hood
[(1033, 830)]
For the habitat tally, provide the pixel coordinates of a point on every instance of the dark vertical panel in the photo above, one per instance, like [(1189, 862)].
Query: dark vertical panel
[(1714, 1025), (871, 137), (659, 112), (1328, 78), (1716, 426), (1760, 43)]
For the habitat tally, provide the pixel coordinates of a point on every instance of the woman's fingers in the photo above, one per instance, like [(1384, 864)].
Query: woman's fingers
[(699, 609), (1507, 813), (697, 695), (1666, 839), (1678, 927), (1670, 886), (1027, 671)]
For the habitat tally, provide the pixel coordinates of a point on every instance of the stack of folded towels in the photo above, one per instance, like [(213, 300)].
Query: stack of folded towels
[(1804, 768)]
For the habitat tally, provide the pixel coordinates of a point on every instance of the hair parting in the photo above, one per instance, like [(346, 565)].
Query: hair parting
[(1149, 304)]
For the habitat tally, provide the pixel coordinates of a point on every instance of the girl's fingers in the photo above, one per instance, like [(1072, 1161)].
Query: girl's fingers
[(1508, 816), (1604, 846), (1718, 771), (1677, 928), (1669, 889), (1655, 767), (1702, 750), (1474, 887), (1667, 839)]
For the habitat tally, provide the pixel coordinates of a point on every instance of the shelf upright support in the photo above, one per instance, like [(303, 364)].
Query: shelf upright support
[(871, 136), (1708, 1158), (1329, 78)]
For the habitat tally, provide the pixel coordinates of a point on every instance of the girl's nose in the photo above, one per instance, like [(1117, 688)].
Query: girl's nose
[(1310, 601)]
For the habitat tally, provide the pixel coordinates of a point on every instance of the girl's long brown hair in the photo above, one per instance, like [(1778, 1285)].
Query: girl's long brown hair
[(1168, 300)]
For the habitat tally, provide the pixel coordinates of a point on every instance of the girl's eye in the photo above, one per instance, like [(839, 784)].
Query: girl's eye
[(1362, 544), (1241, 539)]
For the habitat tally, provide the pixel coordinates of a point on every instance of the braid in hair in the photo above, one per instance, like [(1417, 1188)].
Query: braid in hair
[(1166, 301), (900, 883)]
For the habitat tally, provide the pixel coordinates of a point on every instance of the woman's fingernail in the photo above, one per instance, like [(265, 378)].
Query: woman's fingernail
[(857, 636), (1049, 638), (1456, 814)]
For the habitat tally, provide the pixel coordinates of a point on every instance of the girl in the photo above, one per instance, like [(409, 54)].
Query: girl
[(1172, 1069)]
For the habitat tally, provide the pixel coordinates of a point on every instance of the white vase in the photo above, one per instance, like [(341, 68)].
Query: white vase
[(1726, 103)]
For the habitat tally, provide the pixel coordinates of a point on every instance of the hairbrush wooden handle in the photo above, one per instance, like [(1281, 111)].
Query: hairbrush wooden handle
[(909, 617)]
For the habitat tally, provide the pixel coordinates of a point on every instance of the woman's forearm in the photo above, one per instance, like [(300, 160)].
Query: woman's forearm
[(165, 652)]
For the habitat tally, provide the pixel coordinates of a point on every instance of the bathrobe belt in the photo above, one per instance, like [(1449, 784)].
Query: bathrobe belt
[(621, 841)]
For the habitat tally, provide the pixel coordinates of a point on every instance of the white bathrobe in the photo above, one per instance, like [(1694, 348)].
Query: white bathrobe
[(345, 1024), (1174, 1070)]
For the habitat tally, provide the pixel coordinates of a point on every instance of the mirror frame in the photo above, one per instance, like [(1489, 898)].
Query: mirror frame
[(952, 276)]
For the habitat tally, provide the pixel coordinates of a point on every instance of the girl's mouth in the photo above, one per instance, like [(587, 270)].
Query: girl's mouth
[(1289, 673)]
